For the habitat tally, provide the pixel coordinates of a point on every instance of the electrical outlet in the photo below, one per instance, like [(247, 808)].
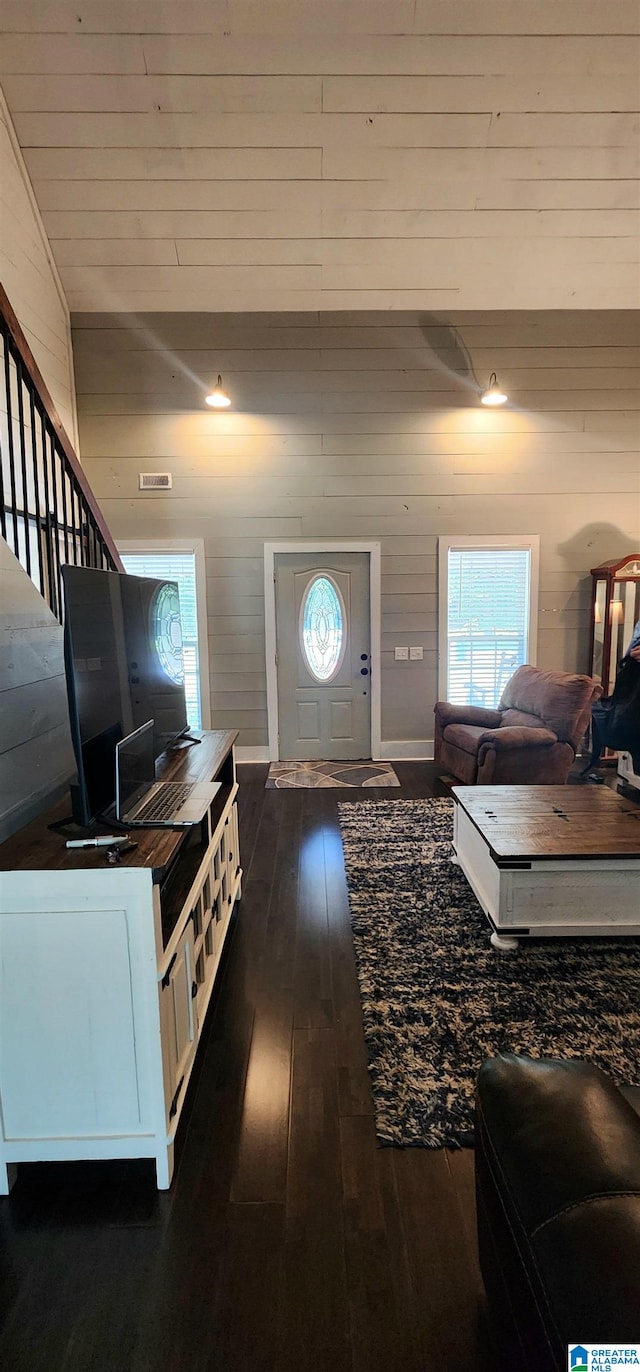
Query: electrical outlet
[(401, 654), (416, 654)]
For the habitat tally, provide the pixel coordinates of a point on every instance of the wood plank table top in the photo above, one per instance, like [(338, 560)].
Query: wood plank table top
[(552, 822), (40, 847)]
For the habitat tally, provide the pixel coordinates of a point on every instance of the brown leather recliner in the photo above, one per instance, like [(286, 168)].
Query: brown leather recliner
[(532, 737)]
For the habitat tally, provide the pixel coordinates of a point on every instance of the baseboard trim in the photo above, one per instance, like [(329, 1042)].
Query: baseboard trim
[(407, 750), (252, 753)]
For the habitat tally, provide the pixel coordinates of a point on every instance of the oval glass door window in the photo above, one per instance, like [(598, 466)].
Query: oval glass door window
[(323, 637)]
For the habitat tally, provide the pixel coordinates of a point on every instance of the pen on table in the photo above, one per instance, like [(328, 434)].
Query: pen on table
[(107, 841)]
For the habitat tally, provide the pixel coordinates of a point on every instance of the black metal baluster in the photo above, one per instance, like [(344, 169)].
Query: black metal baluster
[(36, 485), (94, 538), (75, 519), (88, 532), (56, 524), (23, 464), (12, 470), (86, 545), (64, 479), (50, 597), (3, 519)]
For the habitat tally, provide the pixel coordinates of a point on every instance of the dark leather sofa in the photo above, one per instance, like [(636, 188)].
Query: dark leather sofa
[(558, 1192)]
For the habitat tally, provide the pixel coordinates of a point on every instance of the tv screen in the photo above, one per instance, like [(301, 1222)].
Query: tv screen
[(155, 670), (123, 661)]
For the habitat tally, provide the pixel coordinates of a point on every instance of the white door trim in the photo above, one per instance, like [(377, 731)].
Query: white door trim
[(270, 550)]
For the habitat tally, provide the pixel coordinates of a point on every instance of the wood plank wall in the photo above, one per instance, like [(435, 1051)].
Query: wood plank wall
[(30, 278), (35, 747), (349, 154), (350, 425), (36, 758)]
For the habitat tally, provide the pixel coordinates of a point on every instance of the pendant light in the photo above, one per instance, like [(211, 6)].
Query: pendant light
[(218, 399), (493, 395)]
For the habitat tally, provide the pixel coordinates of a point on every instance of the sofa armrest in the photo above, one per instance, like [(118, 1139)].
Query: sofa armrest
[(466, 714), (558, 1183), (514, 737), (563, 1132)]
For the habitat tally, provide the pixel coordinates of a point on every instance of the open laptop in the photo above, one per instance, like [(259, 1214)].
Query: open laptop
[(146, 803)]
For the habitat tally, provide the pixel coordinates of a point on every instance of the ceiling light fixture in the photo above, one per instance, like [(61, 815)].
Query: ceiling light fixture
[(218, 399), (493, 394)]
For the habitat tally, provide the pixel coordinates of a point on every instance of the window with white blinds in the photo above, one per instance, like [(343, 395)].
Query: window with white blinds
[(181, 567), (487, 626)]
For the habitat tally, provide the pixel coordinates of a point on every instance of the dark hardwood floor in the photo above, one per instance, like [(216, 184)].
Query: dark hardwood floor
[(289, 1240)]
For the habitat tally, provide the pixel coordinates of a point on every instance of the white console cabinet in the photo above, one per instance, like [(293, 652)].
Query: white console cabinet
[(106, 974)]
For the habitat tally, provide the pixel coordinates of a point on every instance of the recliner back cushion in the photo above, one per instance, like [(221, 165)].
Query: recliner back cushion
[(558, 699)]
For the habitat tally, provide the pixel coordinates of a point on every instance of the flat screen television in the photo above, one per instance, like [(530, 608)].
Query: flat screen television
[(123, 664)]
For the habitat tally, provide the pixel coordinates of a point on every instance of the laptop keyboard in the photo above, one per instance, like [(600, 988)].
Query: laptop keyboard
[(166, 803)]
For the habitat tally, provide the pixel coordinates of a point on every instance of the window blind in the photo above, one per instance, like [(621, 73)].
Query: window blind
[(180, 567), (487, 621)]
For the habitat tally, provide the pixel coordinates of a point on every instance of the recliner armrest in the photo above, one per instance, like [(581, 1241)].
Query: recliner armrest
[(514, 737), (466, 714)]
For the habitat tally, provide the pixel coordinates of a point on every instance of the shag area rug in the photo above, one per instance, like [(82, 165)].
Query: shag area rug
[(309, 775), (438, 999)]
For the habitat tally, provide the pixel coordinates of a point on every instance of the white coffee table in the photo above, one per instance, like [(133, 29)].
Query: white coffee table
[(546, 861)]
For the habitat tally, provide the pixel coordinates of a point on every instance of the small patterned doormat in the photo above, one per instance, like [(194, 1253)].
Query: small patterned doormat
[(307, 775)]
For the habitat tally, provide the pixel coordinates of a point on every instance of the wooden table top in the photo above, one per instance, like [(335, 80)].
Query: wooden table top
[(552, 822), (40, 847)]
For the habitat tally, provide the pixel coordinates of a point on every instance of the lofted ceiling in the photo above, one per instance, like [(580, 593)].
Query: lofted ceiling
[(331, 154)]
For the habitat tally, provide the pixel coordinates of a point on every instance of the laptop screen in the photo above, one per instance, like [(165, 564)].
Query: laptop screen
[(135, 767)]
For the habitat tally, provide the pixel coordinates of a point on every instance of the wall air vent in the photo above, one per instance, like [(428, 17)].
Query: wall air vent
[(155, 481)]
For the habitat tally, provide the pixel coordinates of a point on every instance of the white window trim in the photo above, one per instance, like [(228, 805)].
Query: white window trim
[(484, 543), (270, 550), (195, 546)]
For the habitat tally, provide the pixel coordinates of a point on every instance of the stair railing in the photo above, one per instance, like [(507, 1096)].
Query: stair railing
[(48, 512)]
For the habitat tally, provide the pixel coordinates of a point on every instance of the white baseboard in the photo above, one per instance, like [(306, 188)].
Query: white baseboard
[(404, 749), (407, 750), (257, 752)]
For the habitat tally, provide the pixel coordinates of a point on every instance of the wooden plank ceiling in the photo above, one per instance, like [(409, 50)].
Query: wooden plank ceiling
[(344, 154)]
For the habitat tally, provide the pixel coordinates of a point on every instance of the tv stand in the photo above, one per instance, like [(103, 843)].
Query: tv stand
[(185, 737), (107, 974)]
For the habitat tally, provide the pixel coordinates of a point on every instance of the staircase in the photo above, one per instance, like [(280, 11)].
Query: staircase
[(48, 513), (48, 517)]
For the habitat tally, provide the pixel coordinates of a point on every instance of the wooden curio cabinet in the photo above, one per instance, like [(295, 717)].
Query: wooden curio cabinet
[(615, 609)]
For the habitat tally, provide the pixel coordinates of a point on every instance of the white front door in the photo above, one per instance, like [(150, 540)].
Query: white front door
[(323, 655)]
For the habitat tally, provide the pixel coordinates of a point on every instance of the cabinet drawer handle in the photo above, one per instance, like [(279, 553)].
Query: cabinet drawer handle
[(174, 1103), (167, 976)]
